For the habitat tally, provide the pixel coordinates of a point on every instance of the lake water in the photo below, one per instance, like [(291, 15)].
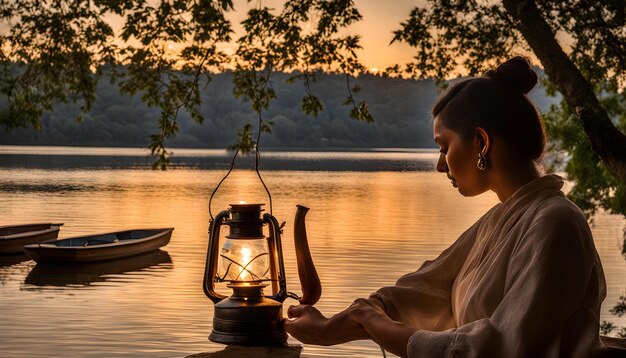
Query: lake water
[(374, 216)]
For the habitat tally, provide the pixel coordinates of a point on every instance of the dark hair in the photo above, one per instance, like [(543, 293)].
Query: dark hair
[(498, 103)]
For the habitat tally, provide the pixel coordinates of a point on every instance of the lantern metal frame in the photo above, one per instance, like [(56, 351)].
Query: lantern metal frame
[(247, 317), (274, 244)]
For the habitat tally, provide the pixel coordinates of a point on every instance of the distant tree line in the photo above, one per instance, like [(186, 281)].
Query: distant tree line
[(401, 109)]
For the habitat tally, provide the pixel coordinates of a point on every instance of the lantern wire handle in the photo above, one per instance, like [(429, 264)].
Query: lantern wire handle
[(232, 165), (256, 167), (257, 158)]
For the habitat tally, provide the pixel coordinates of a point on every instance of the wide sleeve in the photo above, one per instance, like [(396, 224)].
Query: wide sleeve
[(550, 302), (421, 299)]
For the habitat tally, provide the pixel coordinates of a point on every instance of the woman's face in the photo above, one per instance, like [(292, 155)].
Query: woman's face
[(458, 160)]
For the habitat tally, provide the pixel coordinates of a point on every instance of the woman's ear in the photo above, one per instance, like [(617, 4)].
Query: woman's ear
[(482, 140)]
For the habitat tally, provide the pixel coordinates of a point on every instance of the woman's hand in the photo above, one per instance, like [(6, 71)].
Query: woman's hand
[(308, 325), (389, 334), (364, 319)]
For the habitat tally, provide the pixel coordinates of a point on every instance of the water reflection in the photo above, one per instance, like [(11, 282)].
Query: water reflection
[(366, 228), (10, 260), (13, 266), (80, 275), (43, 187)]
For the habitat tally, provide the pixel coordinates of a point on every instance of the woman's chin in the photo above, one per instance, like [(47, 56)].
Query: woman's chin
[(463, 191)]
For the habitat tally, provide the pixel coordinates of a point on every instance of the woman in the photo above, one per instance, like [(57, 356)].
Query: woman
[(524, 281)]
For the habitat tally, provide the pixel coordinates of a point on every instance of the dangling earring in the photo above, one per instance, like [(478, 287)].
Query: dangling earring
[(482, 161)]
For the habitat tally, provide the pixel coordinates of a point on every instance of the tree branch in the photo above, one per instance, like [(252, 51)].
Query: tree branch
[(605, 138)]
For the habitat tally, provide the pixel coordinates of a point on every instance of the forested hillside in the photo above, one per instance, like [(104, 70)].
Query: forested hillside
[(401, 109)]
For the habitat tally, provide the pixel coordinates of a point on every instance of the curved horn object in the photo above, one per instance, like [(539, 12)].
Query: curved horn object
[(309, 280)]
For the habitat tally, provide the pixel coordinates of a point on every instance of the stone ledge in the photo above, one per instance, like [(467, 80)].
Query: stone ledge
[(256, 352), (616, 347)]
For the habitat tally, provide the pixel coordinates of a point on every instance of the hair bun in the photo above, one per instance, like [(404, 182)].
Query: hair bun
[(515, 73)]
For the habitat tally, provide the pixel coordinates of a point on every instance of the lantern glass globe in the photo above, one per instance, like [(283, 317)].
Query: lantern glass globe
[(244, 260)]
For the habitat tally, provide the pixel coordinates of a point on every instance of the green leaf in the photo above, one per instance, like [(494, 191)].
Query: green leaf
[(312, 105), (245, 143)]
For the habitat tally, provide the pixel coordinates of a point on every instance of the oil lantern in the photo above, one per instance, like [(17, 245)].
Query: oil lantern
[(250, 262)]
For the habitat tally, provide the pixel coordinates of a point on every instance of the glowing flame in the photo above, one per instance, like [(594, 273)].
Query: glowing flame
[(246, 257)]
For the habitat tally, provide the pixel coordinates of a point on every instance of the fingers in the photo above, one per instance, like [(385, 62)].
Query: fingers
[(297, 318), (297, 311), (287, 324)]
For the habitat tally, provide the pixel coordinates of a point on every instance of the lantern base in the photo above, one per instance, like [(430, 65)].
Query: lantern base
[(249, 322)]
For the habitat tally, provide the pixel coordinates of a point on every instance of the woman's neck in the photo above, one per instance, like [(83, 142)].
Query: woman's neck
[(507, 181)]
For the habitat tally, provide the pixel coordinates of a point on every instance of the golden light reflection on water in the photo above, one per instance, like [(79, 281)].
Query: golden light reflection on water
[(365, 230)]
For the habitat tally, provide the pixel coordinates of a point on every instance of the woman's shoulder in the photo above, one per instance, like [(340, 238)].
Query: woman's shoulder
[(555, 234), (561, 224), (559, 209)]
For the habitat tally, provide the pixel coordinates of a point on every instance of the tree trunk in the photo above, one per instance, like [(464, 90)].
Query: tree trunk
[(605, 138)]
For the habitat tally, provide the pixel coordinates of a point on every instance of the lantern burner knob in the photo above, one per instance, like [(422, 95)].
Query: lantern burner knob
[(247, 290)]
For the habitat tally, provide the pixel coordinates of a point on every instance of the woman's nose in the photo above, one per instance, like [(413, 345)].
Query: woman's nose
[(442, 165)]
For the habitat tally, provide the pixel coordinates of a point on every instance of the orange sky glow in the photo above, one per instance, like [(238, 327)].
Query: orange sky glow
[(380, 19)]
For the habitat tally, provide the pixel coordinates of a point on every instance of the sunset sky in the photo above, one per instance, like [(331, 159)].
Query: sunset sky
[(380, 19)]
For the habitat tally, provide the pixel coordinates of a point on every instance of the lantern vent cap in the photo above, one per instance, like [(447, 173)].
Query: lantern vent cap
[(246, 207)]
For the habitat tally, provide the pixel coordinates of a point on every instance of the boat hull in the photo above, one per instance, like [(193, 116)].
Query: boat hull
[(13, 238), (65, 251)]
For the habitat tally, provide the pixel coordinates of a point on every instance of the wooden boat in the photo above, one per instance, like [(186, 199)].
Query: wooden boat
[(100, 247), (14, 237)]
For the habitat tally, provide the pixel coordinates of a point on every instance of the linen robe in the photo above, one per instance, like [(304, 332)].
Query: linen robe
[(524, 281)]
